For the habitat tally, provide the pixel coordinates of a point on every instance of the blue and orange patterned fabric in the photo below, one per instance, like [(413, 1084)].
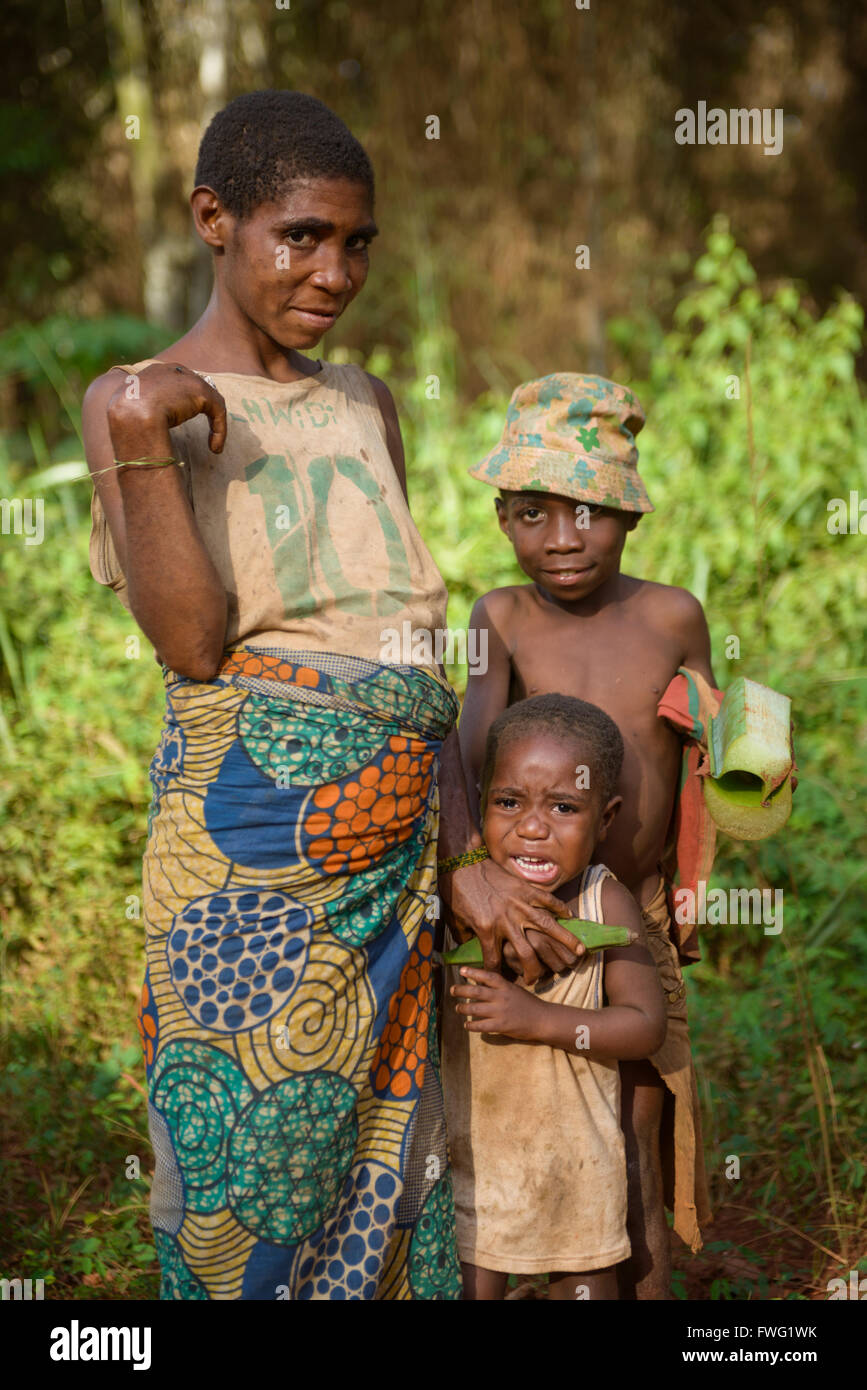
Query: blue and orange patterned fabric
[(287, 1013)]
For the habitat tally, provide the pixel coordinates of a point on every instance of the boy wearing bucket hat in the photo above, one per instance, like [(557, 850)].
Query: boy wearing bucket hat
[(569, 494)]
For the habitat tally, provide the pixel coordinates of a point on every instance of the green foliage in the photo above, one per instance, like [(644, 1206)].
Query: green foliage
[(78, 726), (29, 146), (62, 347), (776, 1020), (74, 1218), (743, 486), (747, 521)]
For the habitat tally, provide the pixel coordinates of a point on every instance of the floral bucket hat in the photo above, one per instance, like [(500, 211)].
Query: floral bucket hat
[(574, 435)]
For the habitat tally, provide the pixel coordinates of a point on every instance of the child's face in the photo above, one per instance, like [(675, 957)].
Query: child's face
[(568, 548), (538, 824), (295, 264)]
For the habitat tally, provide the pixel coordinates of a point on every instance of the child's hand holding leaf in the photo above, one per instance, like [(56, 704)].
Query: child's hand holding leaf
[(494, 1005)]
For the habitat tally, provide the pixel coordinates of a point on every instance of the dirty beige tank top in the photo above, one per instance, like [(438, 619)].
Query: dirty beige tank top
[(304, 518), (538, 1158)]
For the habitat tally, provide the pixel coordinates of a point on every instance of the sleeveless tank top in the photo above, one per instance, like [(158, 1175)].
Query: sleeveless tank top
[(304, 518), (538, 1157)]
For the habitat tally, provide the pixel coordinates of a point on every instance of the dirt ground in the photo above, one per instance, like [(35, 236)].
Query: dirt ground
[(745, 1258)]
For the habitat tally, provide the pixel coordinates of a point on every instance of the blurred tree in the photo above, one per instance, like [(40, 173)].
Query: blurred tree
[(556, 129), (52, 64)]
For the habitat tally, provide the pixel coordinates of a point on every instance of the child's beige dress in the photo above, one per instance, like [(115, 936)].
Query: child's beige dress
[(538, 1157)]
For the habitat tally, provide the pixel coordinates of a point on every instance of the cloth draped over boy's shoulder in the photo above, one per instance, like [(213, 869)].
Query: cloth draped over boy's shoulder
[(688, 705)]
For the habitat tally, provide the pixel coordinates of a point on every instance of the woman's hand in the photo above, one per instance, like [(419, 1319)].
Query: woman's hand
[(493, 1005), (566, 958), (142, 411), (498, 907)]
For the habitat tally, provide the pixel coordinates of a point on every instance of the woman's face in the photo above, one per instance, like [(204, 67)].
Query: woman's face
[(295, 264)]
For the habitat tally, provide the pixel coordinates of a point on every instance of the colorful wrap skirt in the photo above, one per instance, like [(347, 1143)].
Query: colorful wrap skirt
[(287, 1014)]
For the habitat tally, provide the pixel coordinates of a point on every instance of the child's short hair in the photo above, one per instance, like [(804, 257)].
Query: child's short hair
[(262, 141), (574, 719)]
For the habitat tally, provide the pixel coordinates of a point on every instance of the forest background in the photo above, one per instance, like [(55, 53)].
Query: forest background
[(725, 285)]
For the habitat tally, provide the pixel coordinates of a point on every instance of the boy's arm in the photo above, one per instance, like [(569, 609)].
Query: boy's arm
[(692, 630), (487, 696), (630, 1027)]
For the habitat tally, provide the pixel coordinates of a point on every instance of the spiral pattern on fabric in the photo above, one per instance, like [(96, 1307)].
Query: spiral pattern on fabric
[(199, 1092)]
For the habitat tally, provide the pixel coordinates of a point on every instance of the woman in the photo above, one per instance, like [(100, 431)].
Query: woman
[(250, 511)]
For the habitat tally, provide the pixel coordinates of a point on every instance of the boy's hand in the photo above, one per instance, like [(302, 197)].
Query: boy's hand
[(493, 1005), (497, 907)]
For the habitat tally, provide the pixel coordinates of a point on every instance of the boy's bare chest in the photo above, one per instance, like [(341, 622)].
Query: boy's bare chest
[(623, 666)]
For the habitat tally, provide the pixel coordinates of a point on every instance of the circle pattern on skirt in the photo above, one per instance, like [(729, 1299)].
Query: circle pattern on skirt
[(236, 958)]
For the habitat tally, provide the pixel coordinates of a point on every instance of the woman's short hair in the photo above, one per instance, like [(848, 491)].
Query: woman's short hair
[(263, 141)]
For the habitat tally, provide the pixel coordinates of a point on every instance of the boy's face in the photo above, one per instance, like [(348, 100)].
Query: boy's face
[(537, 823), (568, 548), (294, 265)]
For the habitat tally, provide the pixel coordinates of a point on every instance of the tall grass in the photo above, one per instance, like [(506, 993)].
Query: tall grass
[(741, 518)]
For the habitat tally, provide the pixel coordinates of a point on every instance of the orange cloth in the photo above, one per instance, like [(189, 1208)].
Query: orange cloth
[(688, 704), (689, 1199)]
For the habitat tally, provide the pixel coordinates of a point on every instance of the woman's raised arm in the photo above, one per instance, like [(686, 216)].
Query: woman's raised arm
[(175, 593)]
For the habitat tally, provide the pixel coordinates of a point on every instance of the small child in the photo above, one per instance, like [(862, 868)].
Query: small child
[(532, 1084), (570, 494)]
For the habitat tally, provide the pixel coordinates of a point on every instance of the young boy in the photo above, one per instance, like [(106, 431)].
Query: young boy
[(570, 493), (538, 1156)]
